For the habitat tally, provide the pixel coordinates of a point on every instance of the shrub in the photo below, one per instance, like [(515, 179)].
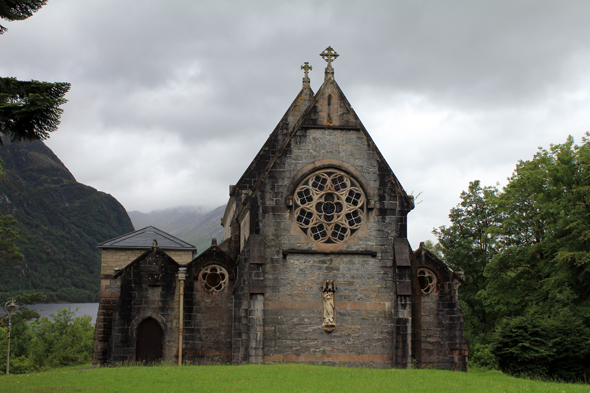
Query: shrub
[(66, 340), (557, 348), (481, 357)]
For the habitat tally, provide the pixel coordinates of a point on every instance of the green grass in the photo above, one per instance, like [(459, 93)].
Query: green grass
[(272, 378)]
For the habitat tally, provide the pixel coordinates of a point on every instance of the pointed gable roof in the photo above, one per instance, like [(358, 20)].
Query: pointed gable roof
[(154, 252), (422, 254), (276, 138), (143, 239), (329, 109)]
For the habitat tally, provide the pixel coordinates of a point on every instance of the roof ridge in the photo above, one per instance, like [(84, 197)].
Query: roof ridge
[(361, 127), (119, 242), (274, 134)]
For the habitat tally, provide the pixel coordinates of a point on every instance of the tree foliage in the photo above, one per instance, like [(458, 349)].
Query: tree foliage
[(18, 10), (30, 110), (525, 252), (8, 237), (468, 246), (60, 340)]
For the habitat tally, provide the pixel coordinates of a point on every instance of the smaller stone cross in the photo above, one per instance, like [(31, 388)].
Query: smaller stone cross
[(306, 68), (329, 55)]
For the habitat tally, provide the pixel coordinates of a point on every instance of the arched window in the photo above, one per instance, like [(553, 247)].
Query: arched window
[(329, 206)]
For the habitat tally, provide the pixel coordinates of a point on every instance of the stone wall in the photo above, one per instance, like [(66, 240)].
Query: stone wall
[(148, 289), (363, 266), (439, 337), (208, 316), (116, 258), (363, 310), (109, 295)]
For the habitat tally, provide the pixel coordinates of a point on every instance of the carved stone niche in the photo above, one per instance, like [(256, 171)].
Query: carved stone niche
[(328, 292)]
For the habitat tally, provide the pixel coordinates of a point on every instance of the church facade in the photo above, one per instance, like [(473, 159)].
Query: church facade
[(315, 265)]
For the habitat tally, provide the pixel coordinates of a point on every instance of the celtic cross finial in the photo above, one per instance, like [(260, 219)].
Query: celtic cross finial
[(306, 68), (329, 55)]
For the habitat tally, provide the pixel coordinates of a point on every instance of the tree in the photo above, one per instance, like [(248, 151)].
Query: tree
[(525, 252), (468, 245), (545, 263), (18, 10), (8, 238), (29, 110)]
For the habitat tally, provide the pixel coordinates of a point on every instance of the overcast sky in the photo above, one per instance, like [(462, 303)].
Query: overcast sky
[(171, 100)]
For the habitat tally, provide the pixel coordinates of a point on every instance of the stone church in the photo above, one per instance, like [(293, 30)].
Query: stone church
[(314, 267)]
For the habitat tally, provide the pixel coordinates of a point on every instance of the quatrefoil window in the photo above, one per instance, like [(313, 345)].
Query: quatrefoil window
[(213, 278), (329, 206)]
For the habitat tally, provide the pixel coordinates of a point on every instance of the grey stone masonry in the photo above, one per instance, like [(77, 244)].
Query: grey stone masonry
[(315, 265), (439, 340), (148, 289), (208, 315)]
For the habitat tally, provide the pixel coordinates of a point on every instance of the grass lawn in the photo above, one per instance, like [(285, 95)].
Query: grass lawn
[(272, 378)]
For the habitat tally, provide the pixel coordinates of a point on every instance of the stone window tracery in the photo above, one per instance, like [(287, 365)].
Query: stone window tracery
[(427, 281), (329, 206), (213, 278)]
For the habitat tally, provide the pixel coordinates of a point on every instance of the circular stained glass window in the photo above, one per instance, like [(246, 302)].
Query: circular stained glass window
[(329, 206), (213, 278)]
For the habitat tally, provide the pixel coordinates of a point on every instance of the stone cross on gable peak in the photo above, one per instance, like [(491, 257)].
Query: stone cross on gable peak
[(306, 68), (329, 55)]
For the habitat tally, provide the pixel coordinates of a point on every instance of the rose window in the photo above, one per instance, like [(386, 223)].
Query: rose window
[(427, 281), (329, 206), (213, 278)]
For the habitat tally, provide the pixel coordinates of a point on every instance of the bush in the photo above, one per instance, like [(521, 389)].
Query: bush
[(557, 348), (64, 341), (482, 357)]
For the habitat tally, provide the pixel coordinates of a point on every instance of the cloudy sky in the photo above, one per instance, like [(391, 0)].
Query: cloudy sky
[(171, 100)]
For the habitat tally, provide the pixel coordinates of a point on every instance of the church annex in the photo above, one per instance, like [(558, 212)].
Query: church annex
[(314, 267)]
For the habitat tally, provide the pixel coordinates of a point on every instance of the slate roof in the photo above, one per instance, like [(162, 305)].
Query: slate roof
[(143, 238)]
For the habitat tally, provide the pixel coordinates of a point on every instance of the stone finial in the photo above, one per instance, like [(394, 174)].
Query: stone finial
[(329, 55), (214, 242), (154, 244), (306, 68)]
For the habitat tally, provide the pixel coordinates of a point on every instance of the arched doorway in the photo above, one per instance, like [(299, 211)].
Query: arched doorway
[(149, 347)]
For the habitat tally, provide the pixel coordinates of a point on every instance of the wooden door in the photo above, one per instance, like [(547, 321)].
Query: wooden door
[(149, 347)]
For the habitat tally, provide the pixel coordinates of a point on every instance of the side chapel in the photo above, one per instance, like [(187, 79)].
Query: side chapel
[(315, 265)]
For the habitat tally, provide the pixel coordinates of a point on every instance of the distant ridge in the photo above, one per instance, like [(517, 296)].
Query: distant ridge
[(195, 225), (60, 221)]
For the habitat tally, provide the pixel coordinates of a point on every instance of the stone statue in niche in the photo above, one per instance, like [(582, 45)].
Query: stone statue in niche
[(328, 291)]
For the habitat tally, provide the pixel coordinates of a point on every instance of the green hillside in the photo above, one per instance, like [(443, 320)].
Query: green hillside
[(60, 223), (191, 224)]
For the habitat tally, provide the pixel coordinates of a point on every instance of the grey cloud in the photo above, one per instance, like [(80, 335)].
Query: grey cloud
[(188, 91)]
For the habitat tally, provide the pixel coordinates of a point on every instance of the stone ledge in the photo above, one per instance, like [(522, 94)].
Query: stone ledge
[(345, 252), (336, 357), (289, 305)]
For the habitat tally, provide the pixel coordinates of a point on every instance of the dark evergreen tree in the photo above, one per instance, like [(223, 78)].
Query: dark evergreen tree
[(18, 10), (30, 110)]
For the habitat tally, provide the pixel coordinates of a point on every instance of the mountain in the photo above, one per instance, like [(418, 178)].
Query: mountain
[(60, 222), (191, 224)]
